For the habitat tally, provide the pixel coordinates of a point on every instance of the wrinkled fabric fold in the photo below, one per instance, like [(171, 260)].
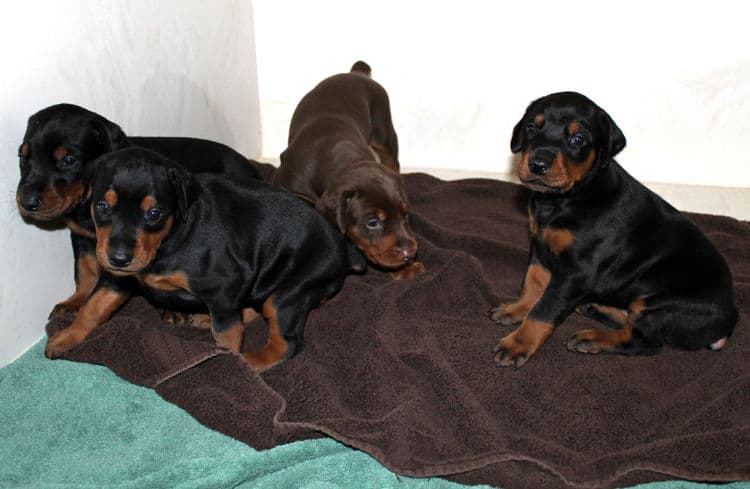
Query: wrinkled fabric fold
[(403, 370)]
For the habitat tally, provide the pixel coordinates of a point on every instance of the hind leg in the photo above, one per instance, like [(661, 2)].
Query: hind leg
[(636, 332), (613, 317), (383, 138), (286, 321)]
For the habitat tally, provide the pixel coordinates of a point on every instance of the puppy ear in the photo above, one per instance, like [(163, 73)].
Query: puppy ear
[(110, 134), (612, 135), (87, 179), (518, 139), (185, 188), (333, 204)]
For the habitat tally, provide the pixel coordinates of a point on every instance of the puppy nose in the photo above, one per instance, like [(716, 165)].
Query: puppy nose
[(119, 258), (408, 253), (539, 166), (31, 202)]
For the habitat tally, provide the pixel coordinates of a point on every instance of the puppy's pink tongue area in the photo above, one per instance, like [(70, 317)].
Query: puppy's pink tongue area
[(718, 345)]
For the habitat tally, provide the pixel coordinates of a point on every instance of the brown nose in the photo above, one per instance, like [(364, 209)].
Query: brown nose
[(408, 252)]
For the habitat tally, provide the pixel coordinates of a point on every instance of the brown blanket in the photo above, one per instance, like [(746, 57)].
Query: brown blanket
[(403, 370)]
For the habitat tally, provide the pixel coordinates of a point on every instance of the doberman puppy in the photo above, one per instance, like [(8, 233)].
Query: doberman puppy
[(605, 245), (189, 239), (342, 157), (58, 149)]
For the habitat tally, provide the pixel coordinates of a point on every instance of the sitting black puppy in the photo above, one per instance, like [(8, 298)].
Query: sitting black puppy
[(57, 151), (605, 245), (200, 239)]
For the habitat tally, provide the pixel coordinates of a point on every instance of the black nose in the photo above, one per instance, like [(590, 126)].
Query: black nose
[(31, 202), (119, 259), (539, 166)]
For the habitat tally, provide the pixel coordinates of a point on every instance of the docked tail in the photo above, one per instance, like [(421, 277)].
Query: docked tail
[(361, 67)]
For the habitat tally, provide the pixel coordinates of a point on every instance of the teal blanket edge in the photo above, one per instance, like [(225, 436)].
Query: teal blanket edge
[(73, 425)]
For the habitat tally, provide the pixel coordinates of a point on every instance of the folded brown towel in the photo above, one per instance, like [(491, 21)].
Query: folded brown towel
[(404, 371)]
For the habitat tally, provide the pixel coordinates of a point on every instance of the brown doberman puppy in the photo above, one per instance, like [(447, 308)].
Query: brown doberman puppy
[(342, 157)]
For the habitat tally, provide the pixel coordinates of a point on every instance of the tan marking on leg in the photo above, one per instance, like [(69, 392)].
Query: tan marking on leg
[(534, 284), (275, 350), (523, 343), (97, 309), (230, 338), (613, 313), (597, 340), (87, 274)]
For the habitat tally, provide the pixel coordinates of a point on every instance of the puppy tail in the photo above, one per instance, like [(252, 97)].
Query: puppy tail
[(361, 67)]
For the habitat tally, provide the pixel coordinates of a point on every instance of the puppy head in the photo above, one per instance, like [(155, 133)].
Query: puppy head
[(563, 138), (60, 143), (136, 196), (368, 204)]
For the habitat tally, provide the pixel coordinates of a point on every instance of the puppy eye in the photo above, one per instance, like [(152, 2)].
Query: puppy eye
[(153, 214), (67, 162), (577, 140), (373, 224), (531, 129), (103, 208)]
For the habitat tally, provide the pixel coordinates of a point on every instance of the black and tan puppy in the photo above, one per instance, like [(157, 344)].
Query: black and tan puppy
[(343, 158), (58, 148), (190, 239), (605, 245)]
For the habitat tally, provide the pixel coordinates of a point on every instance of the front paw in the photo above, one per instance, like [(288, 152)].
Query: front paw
[(506, 314), (61, 342), (518, 347), (409, 272)]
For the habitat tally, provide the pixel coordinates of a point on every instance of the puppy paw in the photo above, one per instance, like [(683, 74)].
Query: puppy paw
[(409, 272), (61, 342), (506, 314), (584, 341), (507, 354), (518, 347)]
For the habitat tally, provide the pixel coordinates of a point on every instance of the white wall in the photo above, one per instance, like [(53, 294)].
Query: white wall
[(675, 76), (172, 67)]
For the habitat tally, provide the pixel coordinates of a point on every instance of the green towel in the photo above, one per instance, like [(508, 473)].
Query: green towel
[(73, 425)]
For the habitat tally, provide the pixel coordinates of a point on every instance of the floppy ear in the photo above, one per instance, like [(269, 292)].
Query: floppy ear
[(518, 140), (612, 135), (185, 188), (333, 205), (110, 134), (87, 179)]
